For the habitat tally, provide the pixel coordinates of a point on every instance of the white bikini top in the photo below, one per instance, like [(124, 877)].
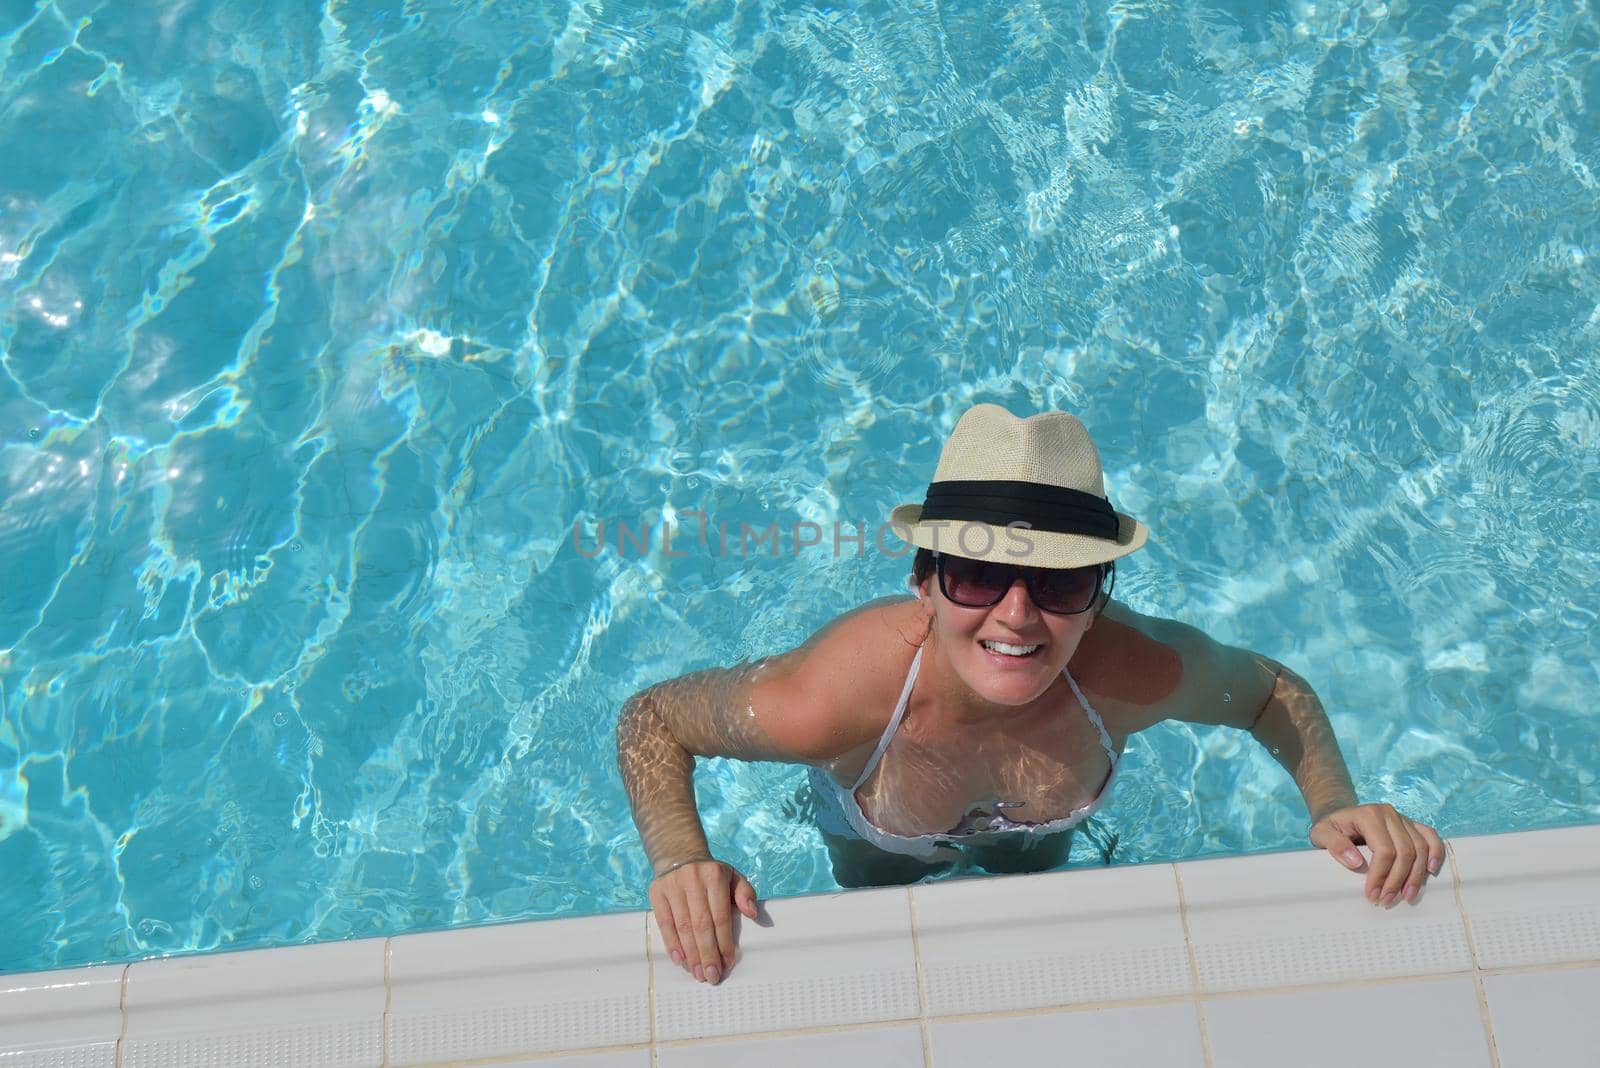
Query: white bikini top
[(978, 825)]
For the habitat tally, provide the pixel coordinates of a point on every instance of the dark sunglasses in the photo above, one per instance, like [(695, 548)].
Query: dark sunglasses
[(1057, 590)]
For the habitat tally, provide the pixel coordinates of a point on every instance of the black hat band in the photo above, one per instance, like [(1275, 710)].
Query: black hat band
[(1002, 502)]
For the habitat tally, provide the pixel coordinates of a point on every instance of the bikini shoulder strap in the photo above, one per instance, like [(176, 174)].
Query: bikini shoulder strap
[(894, 721), (1094, 717)]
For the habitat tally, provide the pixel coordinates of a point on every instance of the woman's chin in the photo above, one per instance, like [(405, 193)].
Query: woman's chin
[(1010, 683)]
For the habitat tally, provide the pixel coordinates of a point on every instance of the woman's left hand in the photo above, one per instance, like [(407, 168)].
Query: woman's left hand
[(1404, 853)]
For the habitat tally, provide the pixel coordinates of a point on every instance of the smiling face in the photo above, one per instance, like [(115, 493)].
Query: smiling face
[(982, 645)]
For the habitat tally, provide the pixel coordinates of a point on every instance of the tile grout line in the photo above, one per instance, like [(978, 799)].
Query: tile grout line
[(1358, 983), (791, 1032), (650, 990), (512, 1060), (1194, 970), (122, 1010), (388, 997), (1477, 970), (1076, 1008), (1555, 966), (922, 994), (677, 1043)]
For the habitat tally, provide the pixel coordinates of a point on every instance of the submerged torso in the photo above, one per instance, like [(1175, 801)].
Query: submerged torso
[(1030, 769), (1039, 767)]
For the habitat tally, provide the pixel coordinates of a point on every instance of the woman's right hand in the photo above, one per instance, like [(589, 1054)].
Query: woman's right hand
[(694, 904)]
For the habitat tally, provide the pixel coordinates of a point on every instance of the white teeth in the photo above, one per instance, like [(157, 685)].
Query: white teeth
[(1009, 650)]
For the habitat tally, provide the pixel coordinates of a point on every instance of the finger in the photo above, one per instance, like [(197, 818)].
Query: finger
[(744, 896), (683, 917), (1340, 847), (1435, 848), (662, 908), (705, 937), (1419, 865), (744, 899), (666, 925), (721, 901), (1405, 857), (1380, 843), (690, 945)]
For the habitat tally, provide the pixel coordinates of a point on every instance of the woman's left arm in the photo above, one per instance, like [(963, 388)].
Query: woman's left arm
[(1292, 726), (1163, 669)]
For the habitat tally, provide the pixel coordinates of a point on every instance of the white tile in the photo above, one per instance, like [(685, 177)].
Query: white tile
[(62, 1018), (318, 1005), (611, 1058), (827, 960), (1037, 941), (895, 1047), (1545, 1019), (1134, 1036), (1532, 897), (1289, 919), (1427, 1022), (521, 988)]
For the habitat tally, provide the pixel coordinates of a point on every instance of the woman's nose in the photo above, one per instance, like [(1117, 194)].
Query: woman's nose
[(1017, 602)]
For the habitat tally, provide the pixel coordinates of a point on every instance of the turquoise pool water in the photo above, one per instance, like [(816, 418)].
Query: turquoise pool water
[(323, 327)]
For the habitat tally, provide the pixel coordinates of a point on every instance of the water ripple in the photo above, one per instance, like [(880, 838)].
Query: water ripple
[(322, 324)]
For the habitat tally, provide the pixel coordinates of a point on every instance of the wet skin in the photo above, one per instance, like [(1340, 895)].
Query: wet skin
[(986, 690), (826, 704), (978, 727)]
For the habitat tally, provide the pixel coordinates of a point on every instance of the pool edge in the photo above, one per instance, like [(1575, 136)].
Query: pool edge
[(911, 970)]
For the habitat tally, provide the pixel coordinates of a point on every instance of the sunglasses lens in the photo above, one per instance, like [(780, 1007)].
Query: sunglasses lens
[(978, 584), (975, 583), (1065, 590)]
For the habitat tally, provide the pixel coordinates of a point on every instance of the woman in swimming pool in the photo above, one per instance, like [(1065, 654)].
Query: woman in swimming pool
[(985, 716)]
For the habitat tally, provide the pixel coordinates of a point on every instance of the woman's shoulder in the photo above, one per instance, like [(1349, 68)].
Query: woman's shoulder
[(1145, 669), (861, 657), (839, 688), (1124, 664)]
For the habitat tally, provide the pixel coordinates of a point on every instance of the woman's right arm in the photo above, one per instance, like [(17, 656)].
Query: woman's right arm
[(661, 731), (690, 892), (762, 711)]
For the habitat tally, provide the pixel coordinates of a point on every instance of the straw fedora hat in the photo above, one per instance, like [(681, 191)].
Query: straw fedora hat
[(1020, 491)]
